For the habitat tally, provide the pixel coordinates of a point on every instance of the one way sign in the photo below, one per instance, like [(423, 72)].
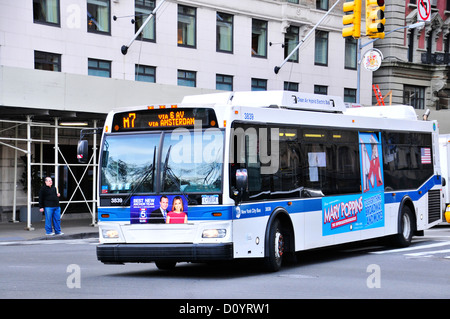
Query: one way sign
[(424, 10)]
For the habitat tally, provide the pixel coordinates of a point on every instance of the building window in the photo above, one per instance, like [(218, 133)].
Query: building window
[(291, 86), (187, 17), (99, 68), (320, 89), (321, 48), (291, 40), (322, 5), (224, 82), (142, 9), (259, 38), (187, 78), (351, 45), (350, 95), (293, 1), (47, 61), (46, 11), (414, 96), (224, 32), (259, 85), (145, 73), (411, 44), (98, 16)]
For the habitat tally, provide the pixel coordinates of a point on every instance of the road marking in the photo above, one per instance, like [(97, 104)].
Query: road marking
[(446, 243), (298, 276), (90, 241), (424, 253)]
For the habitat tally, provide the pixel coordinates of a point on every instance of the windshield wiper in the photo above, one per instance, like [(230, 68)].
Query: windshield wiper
[(167, 172), (215, 167), (150, 170)]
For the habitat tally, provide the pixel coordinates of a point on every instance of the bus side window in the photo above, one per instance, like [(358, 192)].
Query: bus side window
[(405, 165), (253, 164), (287, 179)]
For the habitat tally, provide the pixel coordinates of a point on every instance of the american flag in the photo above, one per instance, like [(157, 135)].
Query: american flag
[(425, 155)]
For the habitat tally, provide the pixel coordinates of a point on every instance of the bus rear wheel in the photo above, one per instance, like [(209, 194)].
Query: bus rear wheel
[(406, 228), (276, 243)]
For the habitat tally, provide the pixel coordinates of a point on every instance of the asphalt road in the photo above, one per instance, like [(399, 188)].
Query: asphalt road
[(69, 269)]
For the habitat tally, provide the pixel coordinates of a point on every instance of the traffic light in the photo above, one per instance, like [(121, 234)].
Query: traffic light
[(375, 18), (352, 20)]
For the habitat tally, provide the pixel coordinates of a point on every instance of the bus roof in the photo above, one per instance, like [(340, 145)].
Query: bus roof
[(284, 100), (278, 99), (405, 112)]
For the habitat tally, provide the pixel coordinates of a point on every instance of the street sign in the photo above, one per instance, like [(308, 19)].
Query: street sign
[(424, 10), (372, 59)]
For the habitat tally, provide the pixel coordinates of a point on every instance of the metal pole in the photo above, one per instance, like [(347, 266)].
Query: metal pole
[(124, 48), (41, 156), (56, 156), (358, 71), (15, 178), (29, 174), (361, 46), (94, 175), (277, 68)]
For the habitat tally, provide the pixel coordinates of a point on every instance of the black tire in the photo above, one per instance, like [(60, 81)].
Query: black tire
[(276, 246), (165, 265), (406, 228)]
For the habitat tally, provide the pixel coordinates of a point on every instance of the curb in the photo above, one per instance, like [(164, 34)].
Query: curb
[(68, 236)]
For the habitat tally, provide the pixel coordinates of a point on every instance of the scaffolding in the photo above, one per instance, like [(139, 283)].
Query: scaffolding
[(90, 203)]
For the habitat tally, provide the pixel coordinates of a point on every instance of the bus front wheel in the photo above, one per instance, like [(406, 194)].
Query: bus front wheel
[(276, 243)]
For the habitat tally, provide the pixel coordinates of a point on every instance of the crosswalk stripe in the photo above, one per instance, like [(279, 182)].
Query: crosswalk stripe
[(446, 243), (424, 253)]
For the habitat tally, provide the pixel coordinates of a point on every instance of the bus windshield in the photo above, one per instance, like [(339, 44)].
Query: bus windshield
[(188, 161)]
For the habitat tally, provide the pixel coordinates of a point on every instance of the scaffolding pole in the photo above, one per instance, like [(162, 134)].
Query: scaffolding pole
[(94, 175), (28, 227), (16, 134), (28, 151)]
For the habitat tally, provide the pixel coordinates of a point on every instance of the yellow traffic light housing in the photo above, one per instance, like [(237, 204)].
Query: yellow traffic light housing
[(375, 18), (352, 21)]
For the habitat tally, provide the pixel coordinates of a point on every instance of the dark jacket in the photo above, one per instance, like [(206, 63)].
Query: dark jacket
[(48, 197)]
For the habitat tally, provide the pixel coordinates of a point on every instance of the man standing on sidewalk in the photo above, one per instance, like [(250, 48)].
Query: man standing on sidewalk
[(49, 203)]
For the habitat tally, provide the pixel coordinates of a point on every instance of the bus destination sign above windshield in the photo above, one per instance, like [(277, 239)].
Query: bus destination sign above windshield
[(158, 119)]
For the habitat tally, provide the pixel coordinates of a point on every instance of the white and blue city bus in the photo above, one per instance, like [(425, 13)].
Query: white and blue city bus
[(262, 175)]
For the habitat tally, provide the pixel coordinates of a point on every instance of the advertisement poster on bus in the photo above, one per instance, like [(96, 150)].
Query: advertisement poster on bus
[(162, 209), (347, 213)]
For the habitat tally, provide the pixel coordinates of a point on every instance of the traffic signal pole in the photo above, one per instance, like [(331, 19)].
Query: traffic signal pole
[(124, 48), (417, 25), (277, 68)]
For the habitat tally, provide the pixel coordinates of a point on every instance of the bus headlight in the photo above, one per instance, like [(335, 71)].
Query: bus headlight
[(110, 233), (214, 233)]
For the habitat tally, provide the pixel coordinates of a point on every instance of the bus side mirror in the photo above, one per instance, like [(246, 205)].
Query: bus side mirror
[(82, 151), (241, 184)]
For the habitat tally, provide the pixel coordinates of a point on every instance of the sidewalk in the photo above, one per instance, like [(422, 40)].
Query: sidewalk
[(72, 229)]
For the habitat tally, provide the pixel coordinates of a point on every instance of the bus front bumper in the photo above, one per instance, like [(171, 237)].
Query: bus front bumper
[(141, 253)]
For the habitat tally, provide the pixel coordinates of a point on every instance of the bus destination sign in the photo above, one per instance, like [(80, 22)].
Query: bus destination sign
[(158, 119)]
